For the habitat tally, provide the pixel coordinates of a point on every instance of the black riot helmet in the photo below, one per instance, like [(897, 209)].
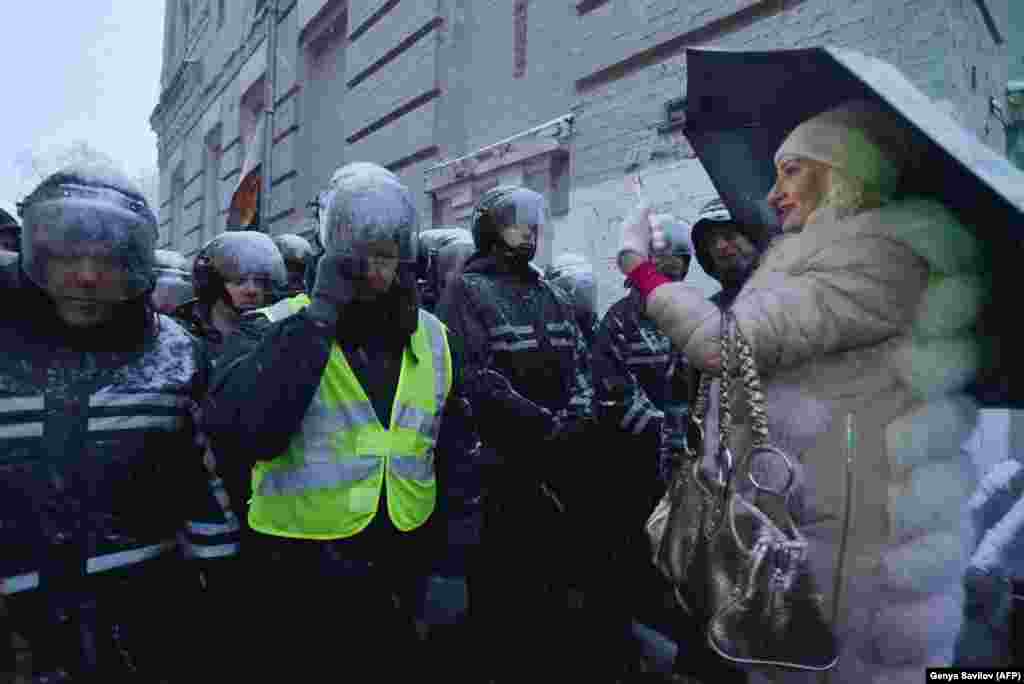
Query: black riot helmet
[(574, 275), (368, 206), (450, 259), (173, 281), (504, 206), (431, 242), (297, 252), (10, 232), (236, 256), (672, 256), (90, 211)]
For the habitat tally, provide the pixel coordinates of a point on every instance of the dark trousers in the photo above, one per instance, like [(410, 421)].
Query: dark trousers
[(518, 589), (318, 607), (125, 626)]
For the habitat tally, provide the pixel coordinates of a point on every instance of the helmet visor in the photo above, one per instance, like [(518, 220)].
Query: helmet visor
[(89, 243), (371, 218), (243, 256)]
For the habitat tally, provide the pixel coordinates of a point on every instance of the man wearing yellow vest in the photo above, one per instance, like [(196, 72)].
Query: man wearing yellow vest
[(335, 401)]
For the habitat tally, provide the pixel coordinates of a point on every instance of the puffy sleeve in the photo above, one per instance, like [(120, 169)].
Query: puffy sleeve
[(850, 293)]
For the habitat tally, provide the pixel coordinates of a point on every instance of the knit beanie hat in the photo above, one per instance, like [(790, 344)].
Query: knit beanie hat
[(857, 137)]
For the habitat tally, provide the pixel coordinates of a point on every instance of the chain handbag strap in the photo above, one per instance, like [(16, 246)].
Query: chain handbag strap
[(760, 444), (725, 458)]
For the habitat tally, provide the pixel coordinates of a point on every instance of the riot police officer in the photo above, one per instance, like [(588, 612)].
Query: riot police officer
[(575, 276), (357, 378), (428, 277), (235, 272), (173, 281), (101, 451), (643, 388), (529, 385), (297, 254)]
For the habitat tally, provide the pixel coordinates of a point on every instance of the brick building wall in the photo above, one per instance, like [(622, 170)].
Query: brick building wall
[(452, 95)]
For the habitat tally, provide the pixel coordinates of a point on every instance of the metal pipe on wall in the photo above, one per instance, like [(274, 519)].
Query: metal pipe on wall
[(268, 112)]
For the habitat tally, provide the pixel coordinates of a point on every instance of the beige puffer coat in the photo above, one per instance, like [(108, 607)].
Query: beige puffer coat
[(863, 324)]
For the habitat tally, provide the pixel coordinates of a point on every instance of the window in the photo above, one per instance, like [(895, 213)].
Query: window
[(221, 11)]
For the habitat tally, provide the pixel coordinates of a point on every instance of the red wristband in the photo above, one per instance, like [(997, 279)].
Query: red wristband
[(646, 278)]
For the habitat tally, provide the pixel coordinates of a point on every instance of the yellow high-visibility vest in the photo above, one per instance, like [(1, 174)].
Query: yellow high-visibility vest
[(327, 483)]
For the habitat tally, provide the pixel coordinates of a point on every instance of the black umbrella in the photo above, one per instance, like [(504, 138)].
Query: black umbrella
[(741, 105)]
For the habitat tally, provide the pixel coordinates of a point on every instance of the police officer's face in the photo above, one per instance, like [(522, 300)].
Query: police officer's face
[(247, 292), (519, 235), (381, 261), (85, 289)]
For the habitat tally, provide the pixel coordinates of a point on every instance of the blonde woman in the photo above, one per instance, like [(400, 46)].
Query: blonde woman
[(859, 318)]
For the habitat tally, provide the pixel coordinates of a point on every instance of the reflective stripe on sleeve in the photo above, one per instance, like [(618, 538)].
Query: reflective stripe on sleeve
[(129, 557), (500, 330), (514, 346), (34, 429), (13, 404), (207, 529), (137, 399), (16, 583), (134, 423), (211, 551)]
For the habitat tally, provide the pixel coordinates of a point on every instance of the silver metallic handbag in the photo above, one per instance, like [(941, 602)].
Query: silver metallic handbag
[(737, 561)]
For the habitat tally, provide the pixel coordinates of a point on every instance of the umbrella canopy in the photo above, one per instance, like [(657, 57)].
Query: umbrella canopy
[(741, 105)]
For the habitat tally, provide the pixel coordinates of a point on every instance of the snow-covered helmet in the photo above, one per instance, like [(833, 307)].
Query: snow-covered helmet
[(173, 281), (90, 210), (297, 254), (237, 255), (504, 206), (574, 275), (368, 205)]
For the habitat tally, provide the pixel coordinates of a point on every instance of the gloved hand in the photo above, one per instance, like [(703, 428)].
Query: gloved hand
[(636, 232), (332, 288)]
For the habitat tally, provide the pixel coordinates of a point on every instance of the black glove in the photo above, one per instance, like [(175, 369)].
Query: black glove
[(332, 288)]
